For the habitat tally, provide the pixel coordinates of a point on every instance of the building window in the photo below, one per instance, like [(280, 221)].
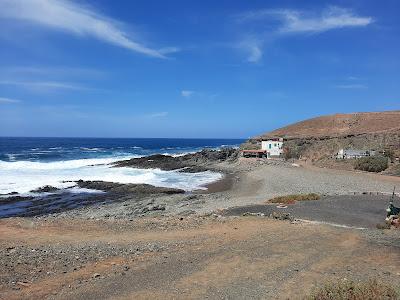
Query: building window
[(270, 146)]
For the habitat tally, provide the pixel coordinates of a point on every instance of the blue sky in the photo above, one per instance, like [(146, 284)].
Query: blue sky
[(192, 68)]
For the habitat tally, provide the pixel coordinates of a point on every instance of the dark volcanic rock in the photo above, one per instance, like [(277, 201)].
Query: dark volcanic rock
[(119, 188), (191, 163), (14, 199), (206, 155), (45, 189), (164, 162)]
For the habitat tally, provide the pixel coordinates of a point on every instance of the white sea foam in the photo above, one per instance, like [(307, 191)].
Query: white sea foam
[(178, 154), (78, 190), (24, 176), (92, 149), (11, 156)]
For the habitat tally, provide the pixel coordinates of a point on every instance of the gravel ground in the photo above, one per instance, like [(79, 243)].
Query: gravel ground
[(185, 258)]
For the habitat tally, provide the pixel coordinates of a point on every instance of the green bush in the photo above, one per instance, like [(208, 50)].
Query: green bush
[(372, 164)]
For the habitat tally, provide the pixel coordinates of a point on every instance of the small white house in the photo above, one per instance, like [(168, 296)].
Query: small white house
[(354, 154), (273, 147)]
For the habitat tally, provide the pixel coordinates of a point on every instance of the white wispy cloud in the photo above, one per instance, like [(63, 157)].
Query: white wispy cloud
[(351, 78), (294, 21), (277, 23), (8, 100), (253, 48), (351, 86), (187, 93), (74, 18), (45, 85), (62, 71), (158, 114)]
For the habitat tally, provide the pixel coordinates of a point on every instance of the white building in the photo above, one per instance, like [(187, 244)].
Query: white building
[(351, 154), (273, 147)]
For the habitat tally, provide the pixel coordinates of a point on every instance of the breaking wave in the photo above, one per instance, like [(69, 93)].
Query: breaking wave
[(25, 176)]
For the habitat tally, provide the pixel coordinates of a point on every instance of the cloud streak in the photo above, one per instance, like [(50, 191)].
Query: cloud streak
[(293, 21), (4, 100), (285, 22), (45, 85), (351, 86), (158, 114), (28, 71), (76, 19), (253, 48), (187, 93)]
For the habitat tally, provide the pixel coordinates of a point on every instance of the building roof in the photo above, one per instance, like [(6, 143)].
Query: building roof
[(273, 140), (254, 151), (354, 152)]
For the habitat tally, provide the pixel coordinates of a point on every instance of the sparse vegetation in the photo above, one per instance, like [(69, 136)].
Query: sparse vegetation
[(372, 164), (389, 153), (395, 170), (350, 290), (383, 226), (289, 153), (291, 199)]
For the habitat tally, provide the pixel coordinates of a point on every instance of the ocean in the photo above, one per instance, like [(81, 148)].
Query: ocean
[(30, 163)]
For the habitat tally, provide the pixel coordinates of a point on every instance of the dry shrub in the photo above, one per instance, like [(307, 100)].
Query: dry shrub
[(372, 164), (291, 199), (383, 226), (350, 290)]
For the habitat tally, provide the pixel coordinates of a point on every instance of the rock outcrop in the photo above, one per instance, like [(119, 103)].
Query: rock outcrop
[(193, 162)]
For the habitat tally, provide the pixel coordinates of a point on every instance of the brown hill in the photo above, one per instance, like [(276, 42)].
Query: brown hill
[(318, 140), (341, 125)]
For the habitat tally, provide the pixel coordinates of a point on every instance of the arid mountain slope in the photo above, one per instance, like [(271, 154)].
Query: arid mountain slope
[(318, 140), (341, 125)]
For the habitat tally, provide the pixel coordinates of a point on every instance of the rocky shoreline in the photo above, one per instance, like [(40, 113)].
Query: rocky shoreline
[(245, 182), (50, 200), (201, 161)]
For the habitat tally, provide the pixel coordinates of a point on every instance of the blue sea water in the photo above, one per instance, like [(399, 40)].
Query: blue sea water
[(29, 163), (63, 149)]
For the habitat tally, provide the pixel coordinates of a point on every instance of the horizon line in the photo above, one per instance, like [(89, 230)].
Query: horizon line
[(93, 137)]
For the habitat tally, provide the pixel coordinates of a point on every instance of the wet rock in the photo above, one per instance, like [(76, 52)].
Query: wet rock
[(119, 188), (45, 189), (282, 216), (14, 199), (190, 163), (253, 214)]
